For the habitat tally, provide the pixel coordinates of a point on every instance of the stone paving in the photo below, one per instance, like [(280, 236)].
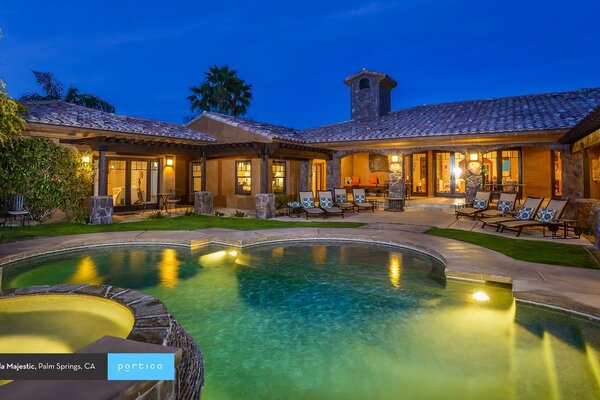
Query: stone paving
[(564, 287)]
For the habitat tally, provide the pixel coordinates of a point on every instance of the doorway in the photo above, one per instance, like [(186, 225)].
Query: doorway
[(449, 174), (417, 178)]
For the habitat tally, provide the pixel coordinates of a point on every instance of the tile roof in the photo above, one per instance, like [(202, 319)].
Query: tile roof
[(583, 128), (550, 111), (269, 131), (60, 113)]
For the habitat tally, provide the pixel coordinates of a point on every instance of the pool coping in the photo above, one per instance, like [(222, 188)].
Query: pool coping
[(574, 290)]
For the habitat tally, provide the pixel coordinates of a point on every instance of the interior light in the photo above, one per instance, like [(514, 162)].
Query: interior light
[(85, 159), (457, 171), (395, 158), (169, 161), (480, 296), (473, 156)]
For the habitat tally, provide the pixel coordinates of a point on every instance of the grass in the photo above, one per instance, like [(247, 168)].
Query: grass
[(526, 250), (181, 223)]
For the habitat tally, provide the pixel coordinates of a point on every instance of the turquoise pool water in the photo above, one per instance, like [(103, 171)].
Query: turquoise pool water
[(344, 321)]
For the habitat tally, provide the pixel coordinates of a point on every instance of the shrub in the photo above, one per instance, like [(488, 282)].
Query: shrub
[(50, 176), (189, 212), (219, 214), (281, 201), (156, 215), (239, 214)]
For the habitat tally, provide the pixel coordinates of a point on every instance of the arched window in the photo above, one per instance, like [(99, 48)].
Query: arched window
[(364, 84)]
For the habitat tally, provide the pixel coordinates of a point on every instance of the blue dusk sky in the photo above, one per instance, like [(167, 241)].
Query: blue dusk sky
[(143, 56)]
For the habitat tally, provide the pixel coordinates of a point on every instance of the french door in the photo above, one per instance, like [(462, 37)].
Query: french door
[(449, 174)]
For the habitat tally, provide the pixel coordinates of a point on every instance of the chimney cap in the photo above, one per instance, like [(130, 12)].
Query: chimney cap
[(382, 78)]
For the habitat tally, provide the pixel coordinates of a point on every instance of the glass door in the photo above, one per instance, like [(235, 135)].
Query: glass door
[(449, 174), (419, 174)]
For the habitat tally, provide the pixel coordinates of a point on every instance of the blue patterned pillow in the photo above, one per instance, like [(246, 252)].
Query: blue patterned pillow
[(308, 203), (505, 205), (326, 202), (340, 198), (294, 204), (479, 204), (359, 199), (525, 213), (547, 216)]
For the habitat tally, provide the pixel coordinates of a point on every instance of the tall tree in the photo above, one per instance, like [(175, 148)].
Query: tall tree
[(222, 91), (52, 89), (11, 122)]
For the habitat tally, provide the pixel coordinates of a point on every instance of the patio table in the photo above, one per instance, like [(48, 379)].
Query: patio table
[(162, 200)]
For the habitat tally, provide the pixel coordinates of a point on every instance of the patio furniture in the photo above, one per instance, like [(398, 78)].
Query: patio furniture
[(549, 214), (307, 200), (294, 209), (341, 199), (15, 209), (360, 200), (326, 204), (162, 200), (528, 211), (480, 204), (506, 204), (569, 226), (395, 204), (173, 199)]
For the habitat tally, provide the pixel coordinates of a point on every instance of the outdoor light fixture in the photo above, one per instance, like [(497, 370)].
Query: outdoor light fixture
[(473, 156), (169, 161), (395, 158), (233, 253), (480, 296), (85, 159)]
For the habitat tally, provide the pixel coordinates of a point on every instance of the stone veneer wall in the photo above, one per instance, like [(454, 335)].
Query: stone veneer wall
[(153, 324), (305, 175), (572, 181), (203, 203), (265, 206), (101, 210), (333, 172)]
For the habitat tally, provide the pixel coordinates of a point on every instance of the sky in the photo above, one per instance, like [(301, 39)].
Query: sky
[(142, 57)]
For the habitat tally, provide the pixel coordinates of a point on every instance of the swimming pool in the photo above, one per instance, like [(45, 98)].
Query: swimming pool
[(343, 321)]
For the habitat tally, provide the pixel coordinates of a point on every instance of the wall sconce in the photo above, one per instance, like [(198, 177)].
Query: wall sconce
[(473, 156), (395, 158), (169, 161), (85, 159)]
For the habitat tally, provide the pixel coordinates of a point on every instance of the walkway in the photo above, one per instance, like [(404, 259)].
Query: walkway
[(572, 288)]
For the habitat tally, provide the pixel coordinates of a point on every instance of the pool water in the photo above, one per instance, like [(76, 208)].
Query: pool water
[(344, 321)]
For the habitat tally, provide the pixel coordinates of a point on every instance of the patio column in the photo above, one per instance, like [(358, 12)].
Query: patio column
[(396, 176), (572, 181), (305, 175), (102, 172), (203, 181), (333, 171), (264, 172), (473, 175)]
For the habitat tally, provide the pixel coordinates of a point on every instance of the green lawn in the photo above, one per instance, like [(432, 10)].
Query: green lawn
[(167, 224), (526, 250)]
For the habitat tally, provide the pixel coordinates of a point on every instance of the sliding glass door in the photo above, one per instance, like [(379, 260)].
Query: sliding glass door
[(132, 182)]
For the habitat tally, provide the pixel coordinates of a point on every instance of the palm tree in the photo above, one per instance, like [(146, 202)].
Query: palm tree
[(222, 91), (53, 90)]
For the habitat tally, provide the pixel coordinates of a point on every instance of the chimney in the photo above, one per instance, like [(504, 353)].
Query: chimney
[(370, 94)]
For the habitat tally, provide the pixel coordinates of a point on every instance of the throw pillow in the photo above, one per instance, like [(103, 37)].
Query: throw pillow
[(525, 213), (308, 203), (505, 205), (326, 202), (359, 198), (479, 204), (547, 216), (340, 198)]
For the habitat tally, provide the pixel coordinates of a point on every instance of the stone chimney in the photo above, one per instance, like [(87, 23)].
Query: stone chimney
[(370, 94)]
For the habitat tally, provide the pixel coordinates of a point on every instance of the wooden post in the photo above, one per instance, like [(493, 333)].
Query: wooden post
[(203, 181), (264, 184)]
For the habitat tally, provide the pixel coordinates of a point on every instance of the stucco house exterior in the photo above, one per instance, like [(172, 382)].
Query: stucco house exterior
[(544, 145)]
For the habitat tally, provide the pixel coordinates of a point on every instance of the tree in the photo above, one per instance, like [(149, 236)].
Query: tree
[(52, 89), (222, 91), (11, 122)]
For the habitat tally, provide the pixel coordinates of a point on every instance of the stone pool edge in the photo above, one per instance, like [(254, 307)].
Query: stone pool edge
[(568, 289)]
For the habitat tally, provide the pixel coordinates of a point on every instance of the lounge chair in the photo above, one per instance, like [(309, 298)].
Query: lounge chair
[(480, 204), (528, 211), (506, 204), (360, 200), (550, 214), (307, 199), (341, 199), (326, 204)]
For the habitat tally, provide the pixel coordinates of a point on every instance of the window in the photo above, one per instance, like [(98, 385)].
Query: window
[(243, 177), (196, 176), (364, 84), (138, 179), (279, 175), (116, 181)]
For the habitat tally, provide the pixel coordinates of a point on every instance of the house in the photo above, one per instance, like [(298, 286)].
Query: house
[(523, 143)]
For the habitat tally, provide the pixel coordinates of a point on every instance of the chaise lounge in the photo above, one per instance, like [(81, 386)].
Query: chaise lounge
[(307, 200), (341, 199), (360, 200), (326, 204), (551, 213), (506, 204), (480, 204), (528, 211)]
